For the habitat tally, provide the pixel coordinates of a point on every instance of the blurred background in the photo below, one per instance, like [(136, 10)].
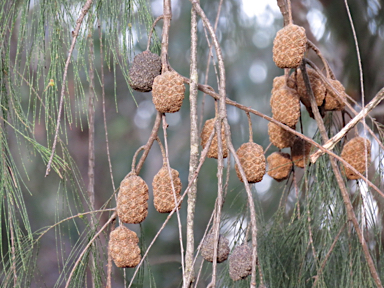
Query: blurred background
[(246, 30)]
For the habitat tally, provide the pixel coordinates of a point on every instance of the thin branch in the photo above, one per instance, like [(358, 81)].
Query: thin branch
[(165, 125), (91, 142), (86, 248), (194, 154), (75, 33), (103, 104), (151, 31), (284, 11), (150, 141), (109, 265)]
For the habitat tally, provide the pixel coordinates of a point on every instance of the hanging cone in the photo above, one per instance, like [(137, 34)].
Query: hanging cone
[(132, 205), (280, 137), (240, 262), (356, 152), (332, 101), (123, 247), (168, 92), (289, 46), (279, 166), (300, 152), (146, 66), (317, 85), (251, 156), (222, 248), (285, 105), (163, 197), (213, 151)]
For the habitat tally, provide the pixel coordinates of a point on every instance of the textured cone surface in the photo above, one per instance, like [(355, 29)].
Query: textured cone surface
[(332, 101), (213, 151), (317, 85), (146, 66), (279, 82), (279, 165), (163, 197), (251, 156), (123, 247), (300, 152), (132, 201), (222, 248), (168, 92), (280, 137), (285, 104), (356, 152), (289, 46), (240, 262)]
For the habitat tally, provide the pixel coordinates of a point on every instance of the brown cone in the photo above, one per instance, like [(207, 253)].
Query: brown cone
[(317, 85), (356, 152), (146, 66), (240, 262), (123, 247), (163, 197), (279, 166), (132, 205), (280, 137), (251, 156), (285, 105), (213, 149), (279, 82), (168, 92), (222, 248), (332, 101), (289, 46), (300, 152)]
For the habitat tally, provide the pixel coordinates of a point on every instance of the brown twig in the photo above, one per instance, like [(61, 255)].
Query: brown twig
[(328, 69), (91, 142), (151, 31), (284, 11), (194, 154), (109, 265), (165, 126), (75, 33)]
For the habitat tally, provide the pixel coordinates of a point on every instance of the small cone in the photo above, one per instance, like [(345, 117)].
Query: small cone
[(251, 156), (279, 82), (240, 262), (222, 248), (300, 152), (168, 92), (132, 205), (213, 149), (146, 66), (279, 137), (332, 101), (317, 85), (356, 152), (123, 247), (285, 105), (163, 197), (289, 46), (279, 166)]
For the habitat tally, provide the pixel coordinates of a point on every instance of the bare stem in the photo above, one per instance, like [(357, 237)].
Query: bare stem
[(151, 31), (165, 125), (75, 33), (194, 154)]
